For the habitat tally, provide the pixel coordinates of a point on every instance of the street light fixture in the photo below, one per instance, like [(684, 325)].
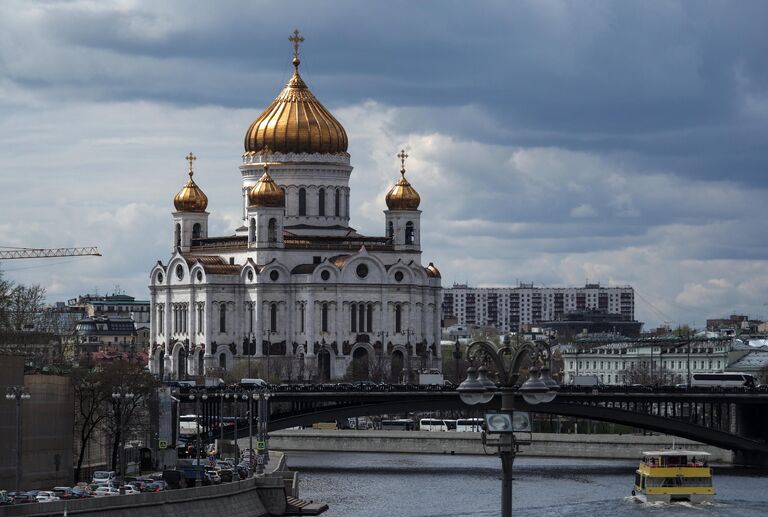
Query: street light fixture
[(119, 394), (477, 388), (18, 393), (198, 394)]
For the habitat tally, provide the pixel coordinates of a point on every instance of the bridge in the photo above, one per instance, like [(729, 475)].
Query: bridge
[(730, 419)]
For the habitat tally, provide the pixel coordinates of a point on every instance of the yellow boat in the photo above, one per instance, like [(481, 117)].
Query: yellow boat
[(674, 475)]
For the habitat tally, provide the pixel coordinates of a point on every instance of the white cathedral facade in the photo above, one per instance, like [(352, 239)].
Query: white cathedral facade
[(295, 293)]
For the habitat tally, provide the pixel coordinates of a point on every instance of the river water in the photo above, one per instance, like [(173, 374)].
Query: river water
[(408, 485)]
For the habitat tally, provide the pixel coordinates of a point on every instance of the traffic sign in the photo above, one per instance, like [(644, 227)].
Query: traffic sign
[(261, 446), (162, 444)]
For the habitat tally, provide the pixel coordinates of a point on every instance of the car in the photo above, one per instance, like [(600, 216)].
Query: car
[(63, 492), (151, 487), (46, 496), (5, 499), (80, 492), (215, 478), (228, 475), (129, 490), (104, 491), (24, 497)]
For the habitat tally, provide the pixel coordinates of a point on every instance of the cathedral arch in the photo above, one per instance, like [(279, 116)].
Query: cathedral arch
[(410, 233), (321, 202), (224, 357), (391, 231), (324, 365), (361, 362), (272, 230), (396, 365), (252, 230), (222, 318), (177, 236), (179, 361), (197, 231)]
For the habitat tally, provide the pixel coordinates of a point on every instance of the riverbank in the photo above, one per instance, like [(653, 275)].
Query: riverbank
[(613, 446)]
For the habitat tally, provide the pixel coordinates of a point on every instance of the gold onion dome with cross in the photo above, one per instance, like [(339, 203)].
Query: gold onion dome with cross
[(266, 193), (190, 198), (296, 122), (403, 196)]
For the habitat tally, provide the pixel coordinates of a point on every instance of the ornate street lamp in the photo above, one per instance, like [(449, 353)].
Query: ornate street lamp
[(18, 393), (197, 394), (477, 388)]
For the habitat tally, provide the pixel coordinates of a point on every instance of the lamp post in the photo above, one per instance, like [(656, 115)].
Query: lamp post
[(223, 395), (268, 333), (120, 394), (197, 394), (262, 431), (249, 395), (477, 388), (18, 393)]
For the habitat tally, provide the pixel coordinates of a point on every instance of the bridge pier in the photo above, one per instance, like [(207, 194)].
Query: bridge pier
[(751, 422)]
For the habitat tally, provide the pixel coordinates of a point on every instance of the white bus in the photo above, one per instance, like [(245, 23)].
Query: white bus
[(436, 424), (187, 425), (469, 425), (723, 380)]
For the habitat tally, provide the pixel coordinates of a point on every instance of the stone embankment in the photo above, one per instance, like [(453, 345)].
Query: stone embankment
[(628, 446), (253, 497)]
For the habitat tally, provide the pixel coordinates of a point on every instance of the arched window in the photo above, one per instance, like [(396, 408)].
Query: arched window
[(272, 230), (273, 317), (409, 235), (197, 231), (222, 317), (324, 318), (353, 318), (321, 202), (337, 203), (223, 361), (398, 319), (391, 230), (252, 230), (302, 201), (361, 317), (177, 235)]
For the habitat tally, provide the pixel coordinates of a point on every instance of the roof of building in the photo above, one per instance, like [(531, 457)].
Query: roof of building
[(754, 360), (105, 326), (213, 264), (190, 198)]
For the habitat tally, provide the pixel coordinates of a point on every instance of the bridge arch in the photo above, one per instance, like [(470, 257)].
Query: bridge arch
[(402, 404)]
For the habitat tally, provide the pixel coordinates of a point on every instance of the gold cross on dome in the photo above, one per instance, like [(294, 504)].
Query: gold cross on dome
[(191, 158), (402, 157), (296, 39)]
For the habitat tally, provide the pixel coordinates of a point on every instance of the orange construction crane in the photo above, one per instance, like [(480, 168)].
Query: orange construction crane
[(27, 253)]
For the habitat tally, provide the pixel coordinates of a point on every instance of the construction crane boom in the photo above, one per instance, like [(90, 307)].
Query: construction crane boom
[(26, 253)]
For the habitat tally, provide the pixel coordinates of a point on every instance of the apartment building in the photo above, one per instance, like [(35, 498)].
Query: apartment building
[(511, 308)]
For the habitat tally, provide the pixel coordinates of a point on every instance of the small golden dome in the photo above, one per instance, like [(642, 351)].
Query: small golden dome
[(296, 122), (266, 193), (190, 198), (403, 196), (432, 271)]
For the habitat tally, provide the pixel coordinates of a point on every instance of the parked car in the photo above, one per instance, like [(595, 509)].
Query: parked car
[(24, 497), (215, 478), (129, 490), (227, 475), (104, 491), (5, 499), (46, 496), (152, 487)]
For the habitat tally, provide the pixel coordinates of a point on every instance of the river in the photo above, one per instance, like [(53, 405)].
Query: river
[(408, 485)]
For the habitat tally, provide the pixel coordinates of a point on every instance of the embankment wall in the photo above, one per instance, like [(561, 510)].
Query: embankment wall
[(542, 444)]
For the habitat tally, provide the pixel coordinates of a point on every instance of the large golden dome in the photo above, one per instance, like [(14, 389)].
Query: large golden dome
[(266, 193), (190, 198), (403, 196), (296, 122)]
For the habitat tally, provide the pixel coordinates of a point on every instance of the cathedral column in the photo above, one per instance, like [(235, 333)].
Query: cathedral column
[(290, 316), (208, 328), (383, 321), (191, 321), (310, 324)]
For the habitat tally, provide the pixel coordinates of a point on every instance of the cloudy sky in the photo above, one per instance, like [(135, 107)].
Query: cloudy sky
[(552, 142)]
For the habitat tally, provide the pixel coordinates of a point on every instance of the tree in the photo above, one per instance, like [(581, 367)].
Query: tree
[(90, 400), (20, 306), (122, 413), (641, 373)]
